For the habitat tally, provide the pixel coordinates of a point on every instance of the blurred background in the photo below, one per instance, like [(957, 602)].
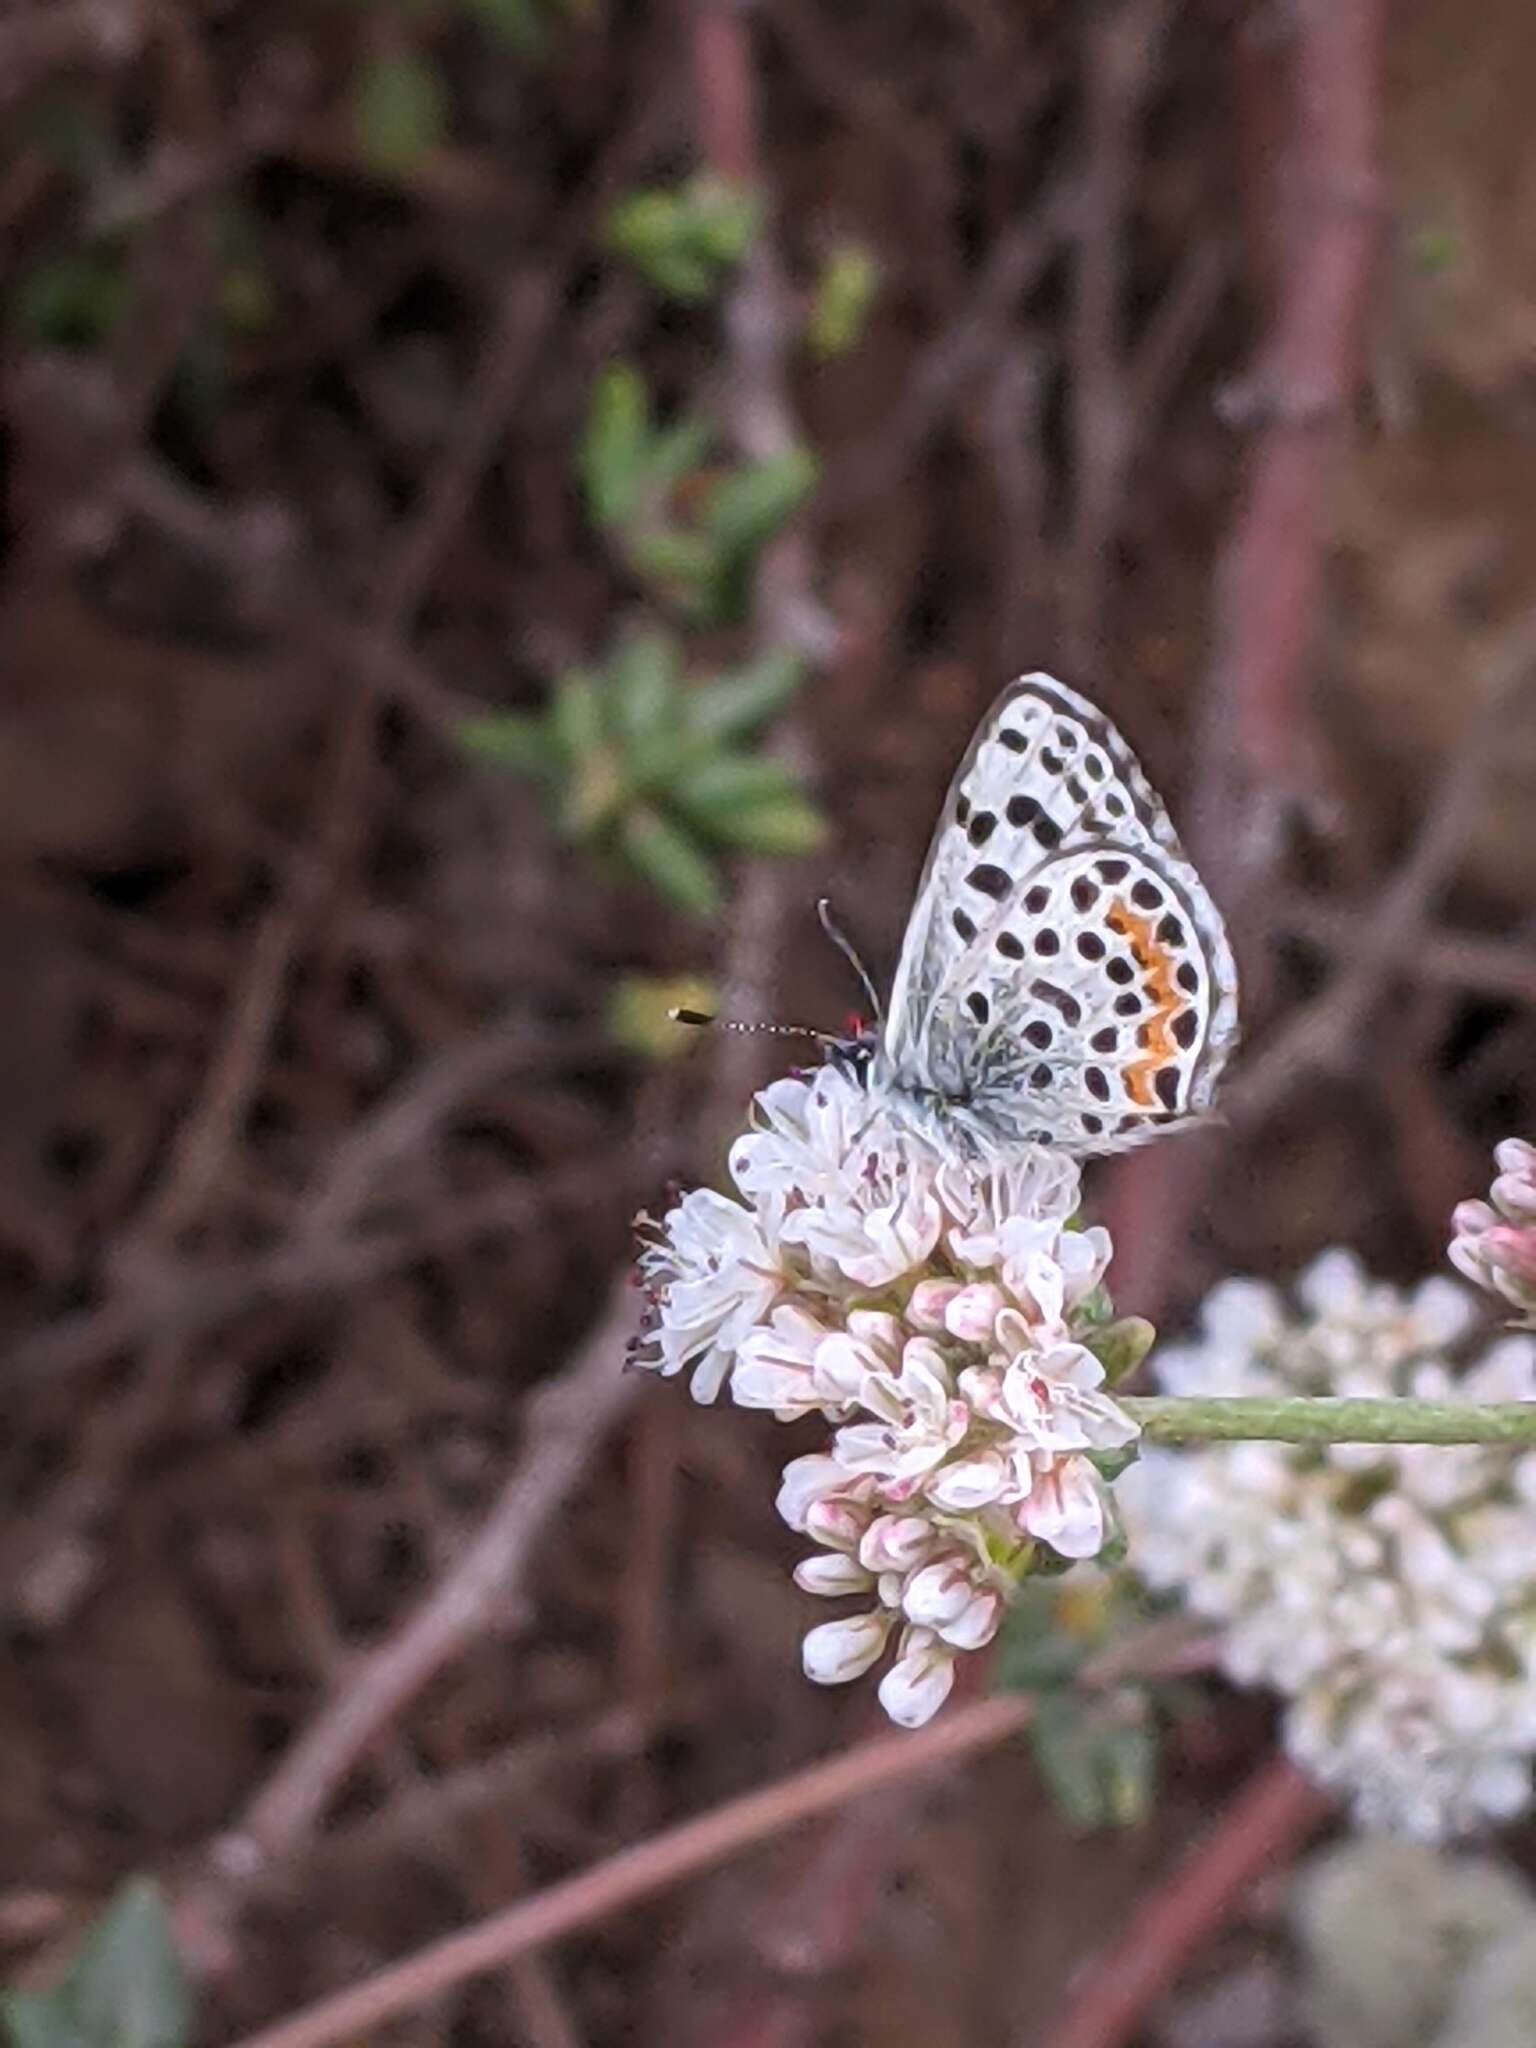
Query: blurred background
[(506, 503)]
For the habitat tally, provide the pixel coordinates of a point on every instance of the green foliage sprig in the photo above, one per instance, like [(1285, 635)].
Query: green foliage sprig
[(691, 530), (687, 239), (655, 772)]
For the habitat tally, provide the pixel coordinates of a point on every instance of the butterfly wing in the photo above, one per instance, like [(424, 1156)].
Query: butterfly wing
[(1065, 977)]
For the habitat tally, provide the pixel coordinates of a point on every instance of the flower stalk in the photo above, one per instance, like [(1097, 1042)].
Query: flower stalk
[(1170, 1419)]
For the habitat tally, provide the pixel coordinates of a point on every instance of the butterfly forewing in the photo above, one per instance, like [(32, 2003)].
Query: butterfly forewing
[(1065, 977)]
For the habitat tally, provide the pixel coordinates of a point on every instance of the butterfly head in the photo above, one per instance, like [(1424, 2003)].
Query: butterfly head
[(854, 1048)]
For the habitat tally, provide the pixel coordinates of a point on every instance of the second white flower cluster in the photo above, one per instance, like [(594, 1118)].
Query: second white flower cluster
[(935, 1314)]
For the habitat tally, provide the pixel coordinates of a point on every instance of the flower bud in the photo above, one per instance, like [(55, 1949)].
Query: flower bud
[(895, 1543), (930, 1299), (939, 1593), (837, 1524), (972, 1315), (837, 1651), (918, 1683), (977, 1622), (832, 1574)]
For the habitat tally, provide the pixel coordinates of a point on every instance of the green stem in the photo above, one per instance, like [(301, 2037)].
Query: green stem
[(1166, 1419)]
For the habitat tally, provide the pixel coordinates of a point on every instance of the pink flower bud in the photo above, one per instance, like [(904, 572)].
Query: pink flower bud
[(972, 1315), (1512, 1250), (895, 1543), (930, 1299), (836, 1524)]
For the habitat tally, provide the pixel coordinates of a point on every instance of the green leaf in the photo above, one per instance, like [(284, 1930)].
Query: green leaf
[(576, 717), (844, 293), (1099, 1760), (124, 1988), (724, 783), (612, 457), (748, 507), (686, 239), (676, 451), (1037, 1647), (752, 802), (787, 829), (1120, 1347), (399, 111), (721, 218), (77, 300), (741, 701), (515, 740), (595, 794), (669, 860), (679, 564), (644, 696)]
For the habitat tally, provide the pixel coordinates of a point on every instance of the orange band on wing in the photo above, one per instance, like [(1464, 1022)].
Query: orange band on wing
[(1155, 963)]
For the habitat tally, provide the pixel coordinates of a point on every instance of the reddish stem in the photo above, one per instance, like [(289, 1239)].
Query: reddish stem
[(1273, 1815)]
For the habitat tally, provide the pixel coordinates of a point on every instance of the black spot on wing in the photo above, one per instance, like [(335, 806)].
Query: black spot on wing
[(989, 880)]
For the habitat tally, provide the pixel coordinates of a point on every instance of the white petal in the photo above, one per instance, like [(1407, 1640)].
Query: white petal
[(969, 1483), (1065, 1509), (807, 1480)]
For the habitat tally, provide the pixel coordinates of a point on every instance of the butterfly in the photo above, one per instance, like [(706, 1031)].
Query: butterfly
[(1065, 978)]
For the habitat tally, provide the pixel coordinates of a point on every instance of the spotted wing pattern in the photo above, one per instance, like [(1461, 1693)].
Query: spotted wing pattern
[(1065, 978)]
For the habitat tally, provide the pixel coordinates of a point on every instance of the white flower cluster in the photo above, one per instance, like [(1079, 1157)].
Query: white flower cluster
[(1388, 1592), (1495, 1241), (933, 1313)]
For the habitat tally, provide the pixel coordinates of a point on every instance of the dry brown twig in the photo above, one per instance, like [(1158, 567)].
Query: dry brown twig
[(565, 1422), (1120, 50), (887, 1762), (1249, 742), (1329, 1033), (755, 402), (636, 1873), (1276, 1812)]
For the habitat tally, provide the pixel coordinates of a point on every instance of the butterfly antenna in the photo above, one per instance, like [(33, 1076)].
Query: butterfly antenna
[(845, 946), (703, 1023)]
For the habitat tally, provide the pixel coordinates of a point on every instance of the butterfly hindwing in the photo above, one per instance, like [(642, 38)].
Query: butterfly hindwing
[(1065, 976)]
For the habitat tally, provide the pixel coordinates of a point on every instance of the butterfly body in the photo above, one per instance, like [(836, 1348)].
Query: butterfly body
[(1065, 977)]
